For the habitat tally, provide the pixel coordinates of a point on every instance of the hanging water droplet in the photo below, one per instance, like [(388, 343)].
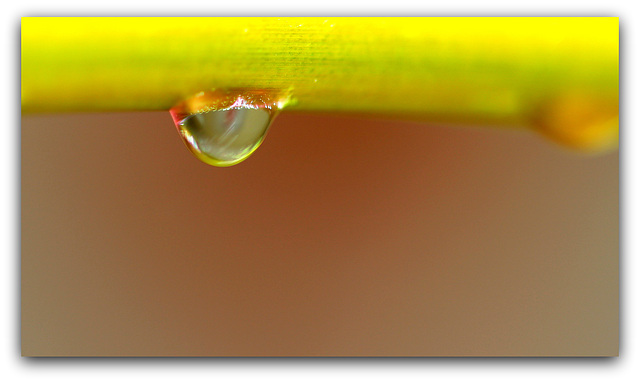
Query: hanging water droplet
[(224, 127), (580, 120)]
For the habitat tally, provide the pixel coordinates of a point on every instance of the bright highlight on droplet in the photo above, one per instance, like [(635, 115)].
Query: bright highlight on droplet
[(224, 127)]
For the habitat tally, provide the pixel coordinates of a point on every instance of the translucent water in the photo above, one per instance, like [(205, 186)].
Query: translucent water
[(224, 127)]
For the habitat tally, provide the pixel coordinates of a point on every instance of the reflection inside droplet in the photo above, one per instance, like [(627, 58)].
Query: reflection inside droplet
[(226, 137), (223, 128)]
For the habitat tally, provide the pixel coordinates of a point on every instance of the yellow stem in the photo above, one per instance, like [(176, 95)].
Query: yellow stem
[(559, 75)]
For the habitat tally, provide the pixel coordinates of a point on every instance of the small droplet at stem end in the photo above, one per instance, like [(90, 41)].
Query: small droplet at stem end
[(581, 121)]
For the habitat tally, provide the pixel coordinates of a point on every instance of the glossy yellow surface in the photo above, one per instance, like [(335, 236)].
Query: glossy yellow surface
[(498, 71)]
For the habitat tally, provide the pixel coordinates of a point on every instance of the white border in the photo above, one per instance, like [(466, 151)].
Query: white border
[(17, 368)]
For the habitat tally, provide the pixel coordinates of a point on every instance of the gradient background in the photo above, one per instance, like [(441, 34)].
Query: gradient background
[(340, 236)]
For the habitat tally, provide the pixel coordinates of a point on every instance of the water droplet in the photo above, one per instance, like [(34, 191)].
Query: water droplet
[(579, 120), (224, 127)]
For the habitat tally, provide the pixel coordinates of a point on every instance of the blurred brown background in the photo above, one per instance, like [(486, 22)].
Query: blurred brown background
[(340, 236)]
